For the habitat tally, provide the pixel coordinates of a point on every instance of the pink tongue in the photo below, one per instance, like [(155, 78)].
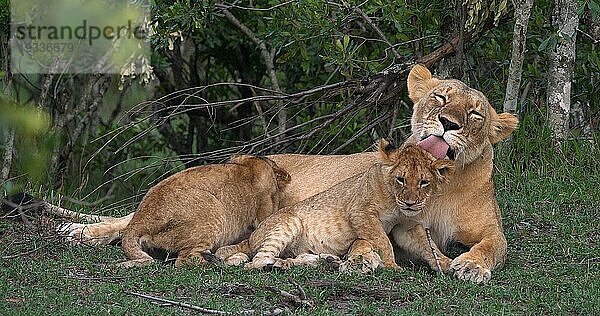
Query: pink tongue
[(435, 145)]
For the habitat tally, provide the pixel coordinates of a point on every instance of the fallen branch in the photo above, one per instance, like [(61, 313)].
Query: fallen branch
[(189, 306), (435, 255), (296, 300), (20, 254)]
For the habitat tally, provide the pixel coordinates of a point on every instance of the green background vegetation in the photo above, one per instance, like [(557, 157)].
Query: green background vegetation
[(548, 195)]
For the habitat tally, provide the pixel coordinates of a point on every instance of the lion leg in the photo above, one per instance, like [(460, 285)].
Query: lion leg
[(192, 256), (102, 233), (477, 264), (272, 237), (306, 259), (362, 257), (132, 246), (368, 227), (414, 241), (234, 255)]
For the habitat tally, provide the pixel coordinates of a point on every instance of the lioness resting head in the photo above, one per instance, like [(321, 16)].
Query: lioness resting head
[(364, 207), (200, 209)]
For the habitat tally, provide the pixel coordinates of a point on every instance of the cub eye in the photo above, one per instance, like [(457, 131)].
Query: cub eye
[(475, 114), (401, 181), (423, 183)]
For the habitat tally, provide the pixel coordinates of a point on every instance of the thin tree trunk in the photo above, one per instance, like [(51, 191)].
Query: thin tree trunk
[(560, 71), (9, 145), (513, 84)]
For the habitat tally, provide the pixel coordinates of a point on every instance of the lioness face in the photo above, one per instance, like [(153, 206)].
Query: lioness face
[(453, 120), (412, 175)]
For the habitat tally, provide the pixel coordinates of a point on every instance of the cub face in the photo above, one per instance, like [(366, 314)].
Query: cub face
[(412, 175)]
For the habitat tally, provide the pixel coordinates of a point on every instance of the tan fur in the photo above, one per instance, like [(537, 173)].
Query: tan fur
[(364, 207), (200, 209), (466, 211)]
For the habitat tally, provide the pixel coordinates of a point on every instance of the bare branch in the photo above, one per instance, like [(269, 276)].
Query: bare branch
[(268, 56), (189, 306), (231, 5), (378, 31)]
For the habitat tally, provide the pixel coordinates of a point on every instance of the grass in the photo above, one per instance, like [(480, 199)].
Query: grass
[(550, 206)]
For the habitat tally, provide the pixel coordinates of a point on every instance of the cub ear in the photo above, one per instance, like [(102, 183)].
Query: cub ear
[(282, 176), (419, 82), (444, 168), (385, 150), (502, 126)]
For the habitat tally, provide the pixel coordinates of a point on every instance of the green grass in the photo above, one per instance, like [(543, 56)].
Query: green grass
[(550, 205)]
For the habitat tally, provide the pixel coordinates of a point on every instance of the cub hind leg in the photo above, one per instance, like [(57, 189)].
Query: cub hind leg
[(275, 234), (132, 246)]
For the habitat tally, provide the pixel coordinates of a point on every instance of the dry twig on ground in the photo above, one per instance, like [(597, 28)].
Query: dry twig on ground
[(435, 255)]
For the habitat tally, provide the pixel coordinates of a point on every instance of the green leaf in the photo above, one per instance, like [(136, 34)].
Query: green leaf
[(544, 44), (339, 45), (346, 41), (594, 9)]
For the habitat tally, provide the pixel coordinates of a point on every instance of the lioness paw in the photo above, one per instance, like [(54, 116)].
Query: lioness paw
[(469, 270)]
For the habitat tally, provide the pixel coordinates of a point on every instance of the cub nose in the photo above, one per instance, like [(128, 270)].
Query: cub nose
[(448, 124)]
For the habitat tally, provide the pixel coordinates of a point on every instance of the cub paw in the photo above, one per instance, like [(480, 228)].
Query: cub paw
[(283, 264), (365, 263), (467, 269), (76, 234), (260, 262), (236, 259), (135, 263)]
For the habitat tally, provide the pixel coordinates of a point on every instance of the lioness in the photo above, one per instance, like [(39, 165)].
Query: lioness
[(364, 207), (200, 209), (463, 126)]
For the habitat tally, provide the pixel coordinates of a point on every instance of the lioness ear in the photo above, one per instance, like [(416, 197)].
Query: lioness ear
[(419, 82), (385, 149), (444, 168), (502, 126)]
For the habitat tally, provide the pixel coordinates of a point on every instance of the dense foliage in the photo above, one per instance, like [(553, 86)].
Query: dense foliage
[(275, 76)]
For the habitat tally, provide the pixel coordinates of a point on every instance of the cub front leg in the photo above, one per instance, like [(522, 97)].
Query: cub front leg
[(370, 229), (361, 257), (413, 239), (234, 255)]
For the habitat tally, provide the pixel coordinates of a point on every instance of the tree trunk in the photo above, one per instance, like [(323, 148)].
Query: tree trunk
[(453, 27), (560, 71), (522, 12), (9, 144)]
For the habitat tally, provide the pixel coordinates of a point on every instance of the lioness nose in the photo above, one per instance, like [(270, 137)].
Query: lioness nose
[(448, 124), (410, 203)]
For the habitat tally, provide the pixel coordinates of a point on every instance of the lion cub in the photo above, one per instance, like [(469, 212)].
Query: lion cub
[(200, 209), (355, 215)]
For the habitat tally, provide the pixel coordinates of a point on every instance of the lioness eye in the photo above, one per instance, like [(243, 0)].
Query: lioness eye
[(423, 183), (474, 113), (400, 180), (440, 98)]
